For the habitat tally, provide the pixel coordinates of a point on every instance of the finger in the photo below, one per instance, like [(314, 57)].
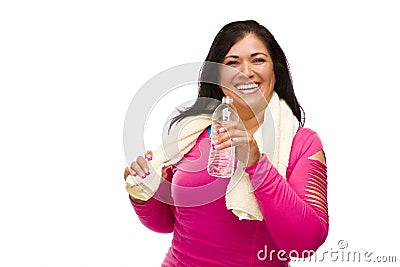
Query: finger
[(233, 125), (127, 172), (231, 128), (138, 169), (238, 140), (223, 145), (143, 164), (234, 133), (221, 129), (226, 126), (149, 155), (221, 138)]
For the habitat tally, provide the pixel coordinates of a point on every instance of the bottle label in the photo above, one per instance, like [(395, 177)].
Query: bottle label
[(226, 114)]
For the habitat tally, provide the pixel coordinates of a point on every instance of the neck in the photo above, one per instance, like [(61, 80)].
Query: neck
[(253, 123)]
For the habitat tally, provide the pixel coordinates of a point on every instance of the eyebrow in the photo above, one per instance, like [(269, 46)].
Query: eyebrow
[(252, 55)]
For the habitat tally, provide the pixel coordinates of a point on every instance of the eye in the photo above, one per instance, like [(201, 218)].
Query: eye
[(259, 60), (230, 63)]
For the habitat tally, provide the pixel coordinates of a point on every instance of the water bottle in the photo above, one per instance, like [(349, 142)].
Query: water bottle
[(221, 162)]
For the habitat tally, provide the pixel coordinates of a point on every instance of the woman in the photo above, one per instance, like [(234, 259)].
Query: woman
[(290, 216)]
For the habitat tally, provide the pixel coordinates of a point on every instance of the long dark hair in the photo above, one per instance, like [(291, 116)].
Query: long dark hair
[(224, 40)]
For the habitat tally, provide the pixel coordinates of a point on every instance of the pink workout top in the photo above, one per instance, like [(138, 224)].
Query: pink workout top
[(206, 233)]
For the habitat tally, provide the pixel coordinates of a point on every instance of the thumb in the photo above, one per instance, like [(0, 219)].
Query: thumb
[(149, 155)]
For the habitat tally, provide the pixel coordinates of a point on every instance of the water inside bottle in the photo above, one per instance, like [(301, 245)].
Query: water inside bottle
[(220, 161)]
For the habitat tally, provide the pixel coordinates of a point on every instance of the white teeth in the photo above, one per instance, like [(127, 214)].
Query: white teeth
[(246, 86)]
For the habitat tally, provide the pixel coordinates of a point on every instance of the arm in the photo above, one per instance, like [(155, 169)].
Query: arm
[(155, 213), (295, 210)]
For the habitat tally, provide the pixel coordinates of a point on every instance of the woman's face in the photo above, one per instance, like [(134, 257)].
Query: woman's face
[(249, 78)]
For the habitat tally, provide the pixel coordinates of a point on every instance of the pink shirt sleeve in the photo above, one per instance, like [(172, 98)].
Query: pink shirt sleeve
[(294, 209), (157, 215)]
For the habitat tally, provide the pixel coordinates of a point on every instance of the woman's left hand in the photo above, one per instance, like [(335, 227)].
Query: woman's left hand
[(235, 134)]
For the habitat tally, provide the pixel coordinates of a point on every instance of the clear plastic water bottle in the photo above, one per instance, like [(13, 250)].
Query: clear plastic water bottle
[(221, 162)]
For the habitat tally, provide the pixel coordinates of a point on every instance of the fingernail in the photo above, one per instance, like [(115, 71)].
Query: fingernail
[(218, 131), (213, 146), (143, 176), (134, 174), (147, 173), (149, 158)]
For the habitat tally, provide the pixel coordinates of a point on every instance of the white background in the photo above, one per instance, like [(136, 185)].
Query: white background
[(69, 69)]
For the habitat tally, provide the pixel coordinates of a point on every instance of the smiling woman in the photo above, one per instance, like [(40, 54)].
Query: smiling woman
[(256, 66), (214, 222), (255, 80)]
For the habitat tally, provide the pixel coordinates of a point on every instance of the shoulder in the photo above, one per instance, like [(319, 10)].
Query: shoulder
[(306, 141), (191, 125)]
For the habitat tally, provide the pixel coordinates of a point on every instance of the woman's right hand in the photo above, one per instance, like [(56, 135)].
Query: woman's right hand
[(140, 166)]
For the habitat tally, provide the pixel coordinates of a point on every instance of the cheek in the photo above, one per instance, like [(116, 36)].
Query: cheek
[(268, 93), (226, 91), (272, 83), (268, 74), (227, 76), (236, 99), (268, 77)]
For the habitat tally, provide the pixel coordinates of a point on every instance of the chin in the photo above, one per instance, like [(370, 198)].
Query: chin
[(256, 102)]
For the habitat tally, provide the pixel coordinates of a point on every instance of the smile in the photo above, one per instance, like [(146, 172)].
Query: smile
[(247, 88)]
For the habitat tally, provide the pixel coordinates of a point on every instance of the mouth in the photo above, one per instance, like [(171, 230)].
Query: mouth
[(248, 88)]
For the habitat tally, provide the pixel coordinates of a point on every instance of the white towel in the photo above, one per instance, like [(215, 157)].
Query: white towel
[(274, 138)]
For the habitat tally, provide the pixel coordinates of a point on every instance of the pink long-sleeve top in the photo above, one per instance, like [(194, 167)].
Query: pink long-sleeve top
[(206, 233)]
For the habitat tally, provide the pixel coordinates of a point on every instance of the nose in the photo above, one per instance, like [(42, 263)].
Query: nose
[(246, 69)]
